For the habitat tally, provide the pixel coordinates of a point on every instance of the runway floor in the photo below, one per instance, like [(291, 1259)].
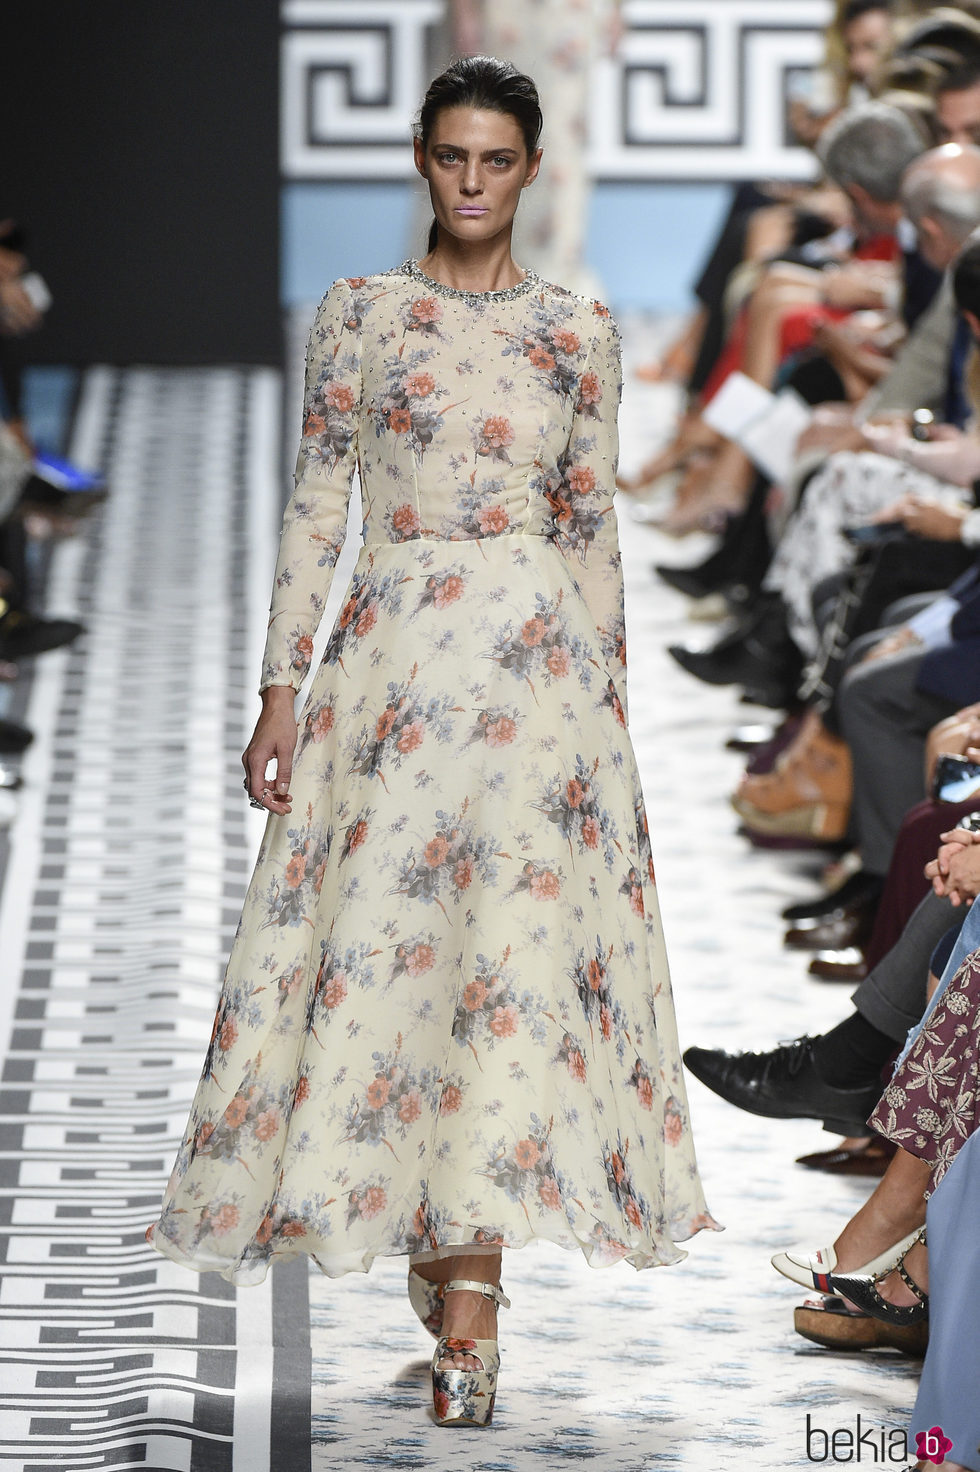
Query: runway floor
[(127, 864)]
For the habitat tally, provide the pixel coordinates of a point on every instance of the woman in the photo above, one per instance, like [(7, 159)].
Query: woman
[(446, 1025)]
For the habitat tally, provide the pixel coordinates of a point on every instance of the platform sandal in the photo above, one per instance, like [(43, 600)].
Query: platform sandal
[(466, 1397), (861, 1289)]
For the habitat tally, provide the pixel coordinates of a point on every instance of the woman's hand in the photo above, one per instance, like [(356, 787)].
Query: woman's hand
[(274, 739)]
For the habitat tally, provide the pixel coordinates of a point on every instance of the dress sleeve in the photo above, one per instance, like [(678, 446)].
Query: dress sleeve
[(315, 521), (584, 516)]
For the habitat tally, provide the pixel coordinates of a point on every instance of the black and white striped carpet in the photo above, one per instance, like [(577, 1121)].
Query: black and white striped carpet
[(129, 857)]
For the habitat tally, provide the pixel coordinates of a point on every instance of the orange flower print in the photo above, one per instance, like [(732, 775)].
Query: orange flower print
[(426, 309), (565, 341), (559, 661), (541, 358), (318, 874), (410, 1107), (339, 397), (636, 900), (673, 1125), (293, 1229), (422, 959), (633, 1213), (500, 732), (595, 974), (599, 310), (356, 834), (373, 1202), (574, 793), (236, 1112), (590, 389), (400, 421), (440, 1403), (377, 1092), (463, 873), (533, 632), (492, 520), (618, 711), (605, 1022), (526, 1154), (544, 886), (296, 871), (496, 433), (447, 592), (322, 723), (435, 851), (410, 736), (474, 995), (347, 612), (618, 1169), (367, 620), (503, 1023), (355, 281), (405, 520), (264, 1233), (581, 479), (590, 832), (576, 1066), (225, 1219), (419, 385), (267, 1124), (549, 1194), (228, 1036), (302, 1091), (204, 1134), (452, 1098), (335, 990), (384, 723), (315, 424), (644, 1092), (304, 648)]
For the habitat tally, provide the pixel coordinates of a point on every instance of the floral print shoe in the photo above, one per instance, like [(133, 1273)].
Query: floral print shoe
[(466, 1397), (428, 1301)]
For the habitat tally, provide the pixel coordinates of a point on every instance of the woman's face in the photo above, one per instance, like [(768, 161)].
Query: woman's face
[(476, 165)]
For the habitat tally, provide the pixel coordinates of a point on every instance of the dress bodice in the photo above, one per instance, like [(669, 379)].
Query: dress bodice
[(468, 415)]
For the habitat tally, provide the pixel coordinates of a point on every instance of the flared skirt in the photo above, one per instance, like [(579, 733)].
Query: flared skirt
[(447, 1016)]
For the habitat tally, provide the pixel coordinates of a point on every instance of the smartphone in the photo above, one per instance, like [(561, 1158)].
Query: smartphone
[(37, 289), (870, 532), (954, 778)]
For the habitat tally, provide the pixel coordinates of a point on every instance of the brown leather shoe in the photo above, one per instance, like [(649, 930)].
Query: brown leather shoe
[(846, 965), (828, 1321), (858, 1160), (834, 932), (808, 791)]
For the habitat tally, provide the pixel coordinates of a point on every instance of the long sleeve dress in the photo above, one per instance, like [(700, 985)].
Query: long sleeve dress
[(447, 1015)]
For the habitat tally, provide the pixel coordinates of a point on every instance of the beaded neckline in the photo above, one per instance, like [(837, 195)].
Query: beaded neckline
[(473, 298)]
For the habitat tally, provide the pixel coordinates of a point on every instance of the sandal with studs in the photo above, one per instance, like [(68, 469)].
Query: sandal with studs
[(861, 1290), (466, 1397)]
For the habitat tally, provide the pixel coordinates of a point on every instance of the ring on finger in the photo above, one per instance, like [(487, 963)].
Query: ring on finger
[(253, 802)]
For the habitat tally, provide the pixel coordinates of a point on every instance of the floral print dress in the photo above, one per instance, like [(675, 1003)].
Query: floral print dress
[(447, 1016)]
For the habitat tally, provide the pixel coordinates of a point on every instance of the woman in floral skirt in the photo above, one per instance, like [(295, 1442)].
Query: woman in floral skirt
[(446, 1026)]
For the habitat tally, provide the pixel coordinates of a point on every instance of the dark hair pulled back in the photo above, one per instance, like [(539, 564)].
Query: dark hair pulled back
[(486, 83)]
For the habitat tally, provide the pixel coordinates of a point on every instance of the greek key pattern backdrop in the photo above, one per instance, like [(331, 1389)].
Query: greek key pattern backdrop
[(697, 89)]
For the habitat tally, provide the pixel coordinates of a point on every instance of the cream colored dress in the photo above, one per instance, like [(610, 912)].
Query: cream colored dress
[(447, 1016)]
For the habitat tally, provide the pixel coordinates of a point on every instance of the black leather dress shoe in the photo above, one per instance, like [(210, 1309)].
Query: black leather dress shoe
[(784, 1084), (871, 1159), (861, 888)]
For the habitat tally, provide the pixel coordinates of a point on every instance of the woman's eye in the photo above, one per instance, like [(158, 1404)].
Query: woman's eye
[(501, 160)]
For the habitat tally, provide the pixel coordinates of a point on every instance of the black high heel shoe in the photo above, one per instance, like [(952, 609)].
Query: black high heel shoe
[(860, 1289)]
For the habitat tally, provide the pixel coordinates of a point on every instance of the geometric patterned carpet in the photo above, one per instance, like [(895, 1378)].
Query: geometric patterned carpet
[(129, 860)]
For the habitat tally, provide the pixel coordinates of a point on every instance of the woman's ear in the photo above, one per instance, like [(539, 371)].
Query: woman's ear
[(533, 167), (418, 148)]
